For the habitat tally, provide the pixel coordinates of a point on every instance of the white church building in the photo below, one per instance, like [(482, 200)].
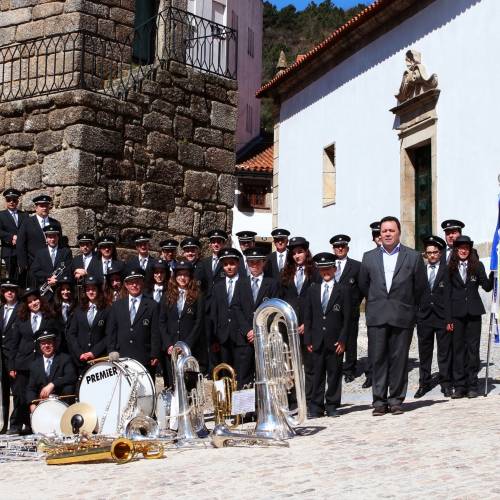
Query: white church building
[(394, 114)]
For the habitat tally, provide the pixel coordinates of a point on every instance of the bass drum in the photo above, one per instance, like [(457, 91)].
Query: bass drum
[(109, 386), (46, 417)]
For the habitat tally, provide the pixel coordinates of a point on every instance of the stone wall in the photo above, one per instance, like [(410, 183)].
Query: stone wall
[(162, 161)]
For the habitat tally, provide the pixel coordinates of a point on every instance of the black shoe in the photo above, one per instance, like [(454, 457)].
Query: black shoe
[(348, 378), (378, 411), (447, 392), (333, 412), (457, 395), (397, 410), (421, 391), (13, 431), (26, 431), (315, 414), (472, 394), (367, 383)]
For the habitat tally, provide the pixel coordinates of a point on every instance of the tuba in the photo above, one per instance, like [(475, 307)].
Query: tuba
[(278, 368)]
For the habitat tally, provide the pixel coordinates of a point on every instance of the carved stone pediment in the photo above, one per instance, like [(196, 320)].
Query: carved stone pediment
[(415, 80)]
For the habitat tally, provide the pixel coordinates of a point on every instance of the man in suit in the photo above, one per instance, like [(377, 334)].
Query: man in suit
[(48, 259), (452, 230), (107, 256), (86, 263), (431, 320), (392, 278), (246, 239), (143, 259), (326, 330), (277, 259), (250, 295), (191, 252), (9, 291), (10, 220), (31, 237), (168, 249), (133, 324), (347, 275), (52, 373), (114, 281)]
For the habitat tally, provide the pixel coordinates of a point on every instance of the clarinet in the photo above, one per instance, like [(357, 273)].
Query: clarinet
[(45, 288)]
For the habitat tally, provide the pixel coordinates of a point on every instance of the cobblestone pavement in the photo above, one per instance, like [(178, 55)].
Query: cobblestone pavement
[(438, 448)]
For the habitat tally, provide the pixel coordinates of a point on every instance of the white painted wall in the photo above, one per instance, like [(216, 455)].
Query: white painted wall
[(350, 106), (259, 221)]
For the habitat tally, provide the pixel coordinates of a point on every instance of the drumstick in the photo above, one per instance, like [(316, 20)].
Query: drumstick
[(56, 397)]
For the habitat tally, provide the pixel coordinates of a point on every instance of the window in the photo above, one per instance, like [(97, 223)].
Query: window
[(249, 119), (251, 40), (329, 176), (254, 194)]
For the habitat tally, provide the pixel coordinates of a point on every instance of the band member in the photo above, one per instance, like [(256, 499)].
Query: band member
[(298, 275), (113, 287), (86, 334), (467, 273), (143, 259), (169, 252), (392, 278), (431, 320), (326, 329), (158, 283), (223, 317), (246, 240), (191, 251), (47, 260), (106, 255), (9, 296), (31, 237), (87, 261), (33, 314), (10, 221), (276, 260), (52, 373), (182, 312), (452, 230), (375, 227), (64, 301), (132, 328), (347, 275), (249, 295)]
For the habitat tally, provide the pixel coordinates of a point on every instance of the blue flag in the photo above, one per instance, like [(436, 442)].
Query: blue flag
[(494, 246)]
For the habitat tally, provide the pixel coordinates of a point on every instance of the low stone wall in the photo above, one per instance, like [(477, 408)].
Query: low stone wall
[(162, 161)]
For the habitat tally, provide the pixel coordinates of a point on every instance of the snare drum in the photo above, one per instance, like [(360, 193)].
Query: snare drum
[(46, 417), (108, 387)]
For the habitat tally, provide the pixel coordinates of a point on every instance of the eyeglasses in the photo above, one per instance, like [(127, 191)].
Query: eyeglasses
[(432, 252)]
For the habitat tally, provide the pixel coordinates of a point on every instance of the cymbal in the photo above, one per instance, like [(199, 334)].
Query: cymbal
[(88, 414)]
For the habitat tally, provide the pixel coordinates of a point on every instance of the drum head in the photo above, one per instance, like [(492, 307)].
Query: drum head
[(108, 387), (46, 418)]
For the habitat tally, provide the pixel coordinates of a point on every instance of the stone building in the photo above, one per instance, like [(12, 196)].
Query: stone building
[(123, 142), (393, 114)]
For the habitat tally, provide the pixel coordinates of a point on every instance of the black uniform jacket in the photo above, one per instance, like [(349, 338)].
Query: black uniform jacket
[(133, 263), (434, 303), (272, 270), (350, 279), (62, 375), (92, 268), (31, 238), (188, 327), (140, 340), (8, 229), (244, 305), (288, 292), (21, 344), (82, 337), (325, 329), (42, 266), (464, 297), (6, 331), (223, 315), (99, 268), (208, 278)]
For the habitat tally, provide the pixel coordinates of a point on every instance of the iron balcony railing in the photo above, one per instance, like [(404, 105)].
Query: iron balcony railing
[(84, 60)]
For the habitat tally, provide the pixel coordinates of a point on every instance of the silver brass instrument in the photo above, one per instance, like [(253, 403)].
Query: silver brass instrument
[(142, 427), (278, 368), (223, 437), (20, 448), (55, 274)]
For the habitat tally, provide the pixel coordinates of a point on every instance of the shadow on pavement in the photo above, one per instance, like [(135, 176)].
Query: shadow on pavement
[(415, 405), (309, 430)]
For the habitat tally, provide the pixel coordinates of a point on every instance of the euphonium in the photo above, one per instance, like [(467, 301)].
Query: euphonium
[(222, 405), (278, 368)]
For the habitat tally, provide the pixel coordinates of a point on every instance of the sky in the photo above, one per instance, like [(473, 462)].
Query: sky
[(301, 4)]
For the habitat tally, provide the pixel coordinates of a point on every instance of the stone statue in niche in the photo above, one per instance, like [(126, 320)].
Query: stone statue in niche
[(415, 80)]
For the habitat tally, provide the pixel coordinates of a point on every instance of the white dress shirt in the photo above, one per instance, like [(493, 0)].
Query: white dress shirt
[(330, 284), (38, 316), (46, 362), (278, 258), (137, 302), (342, 263), (436, 269), (86, 260), (7, 313), (15, 216), (390, 260), (42, 222)]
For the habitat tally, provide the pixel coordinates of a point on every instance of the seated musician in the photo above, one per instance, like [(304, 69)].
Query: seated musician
[(52, 373)]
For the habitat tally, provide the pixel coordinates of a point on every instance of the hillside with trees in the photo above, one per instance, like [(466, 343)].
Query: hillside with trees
[(296, 32)]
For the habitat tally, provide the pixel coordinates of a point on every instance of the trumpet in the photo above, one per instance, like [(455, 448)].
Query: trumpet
[(55, 274)]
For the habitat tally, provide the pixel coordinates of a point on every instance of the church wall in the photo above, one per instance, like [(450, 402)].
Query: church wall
[(350, 106)]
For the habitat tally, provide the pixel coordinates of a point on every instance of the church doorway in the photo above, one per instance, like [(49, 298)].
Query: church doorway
[(421, 159)]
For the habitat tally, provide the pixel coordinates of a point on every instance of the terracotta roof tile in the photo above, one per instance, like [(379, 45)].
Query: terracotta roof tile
[(339, 33), (260, 162)]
